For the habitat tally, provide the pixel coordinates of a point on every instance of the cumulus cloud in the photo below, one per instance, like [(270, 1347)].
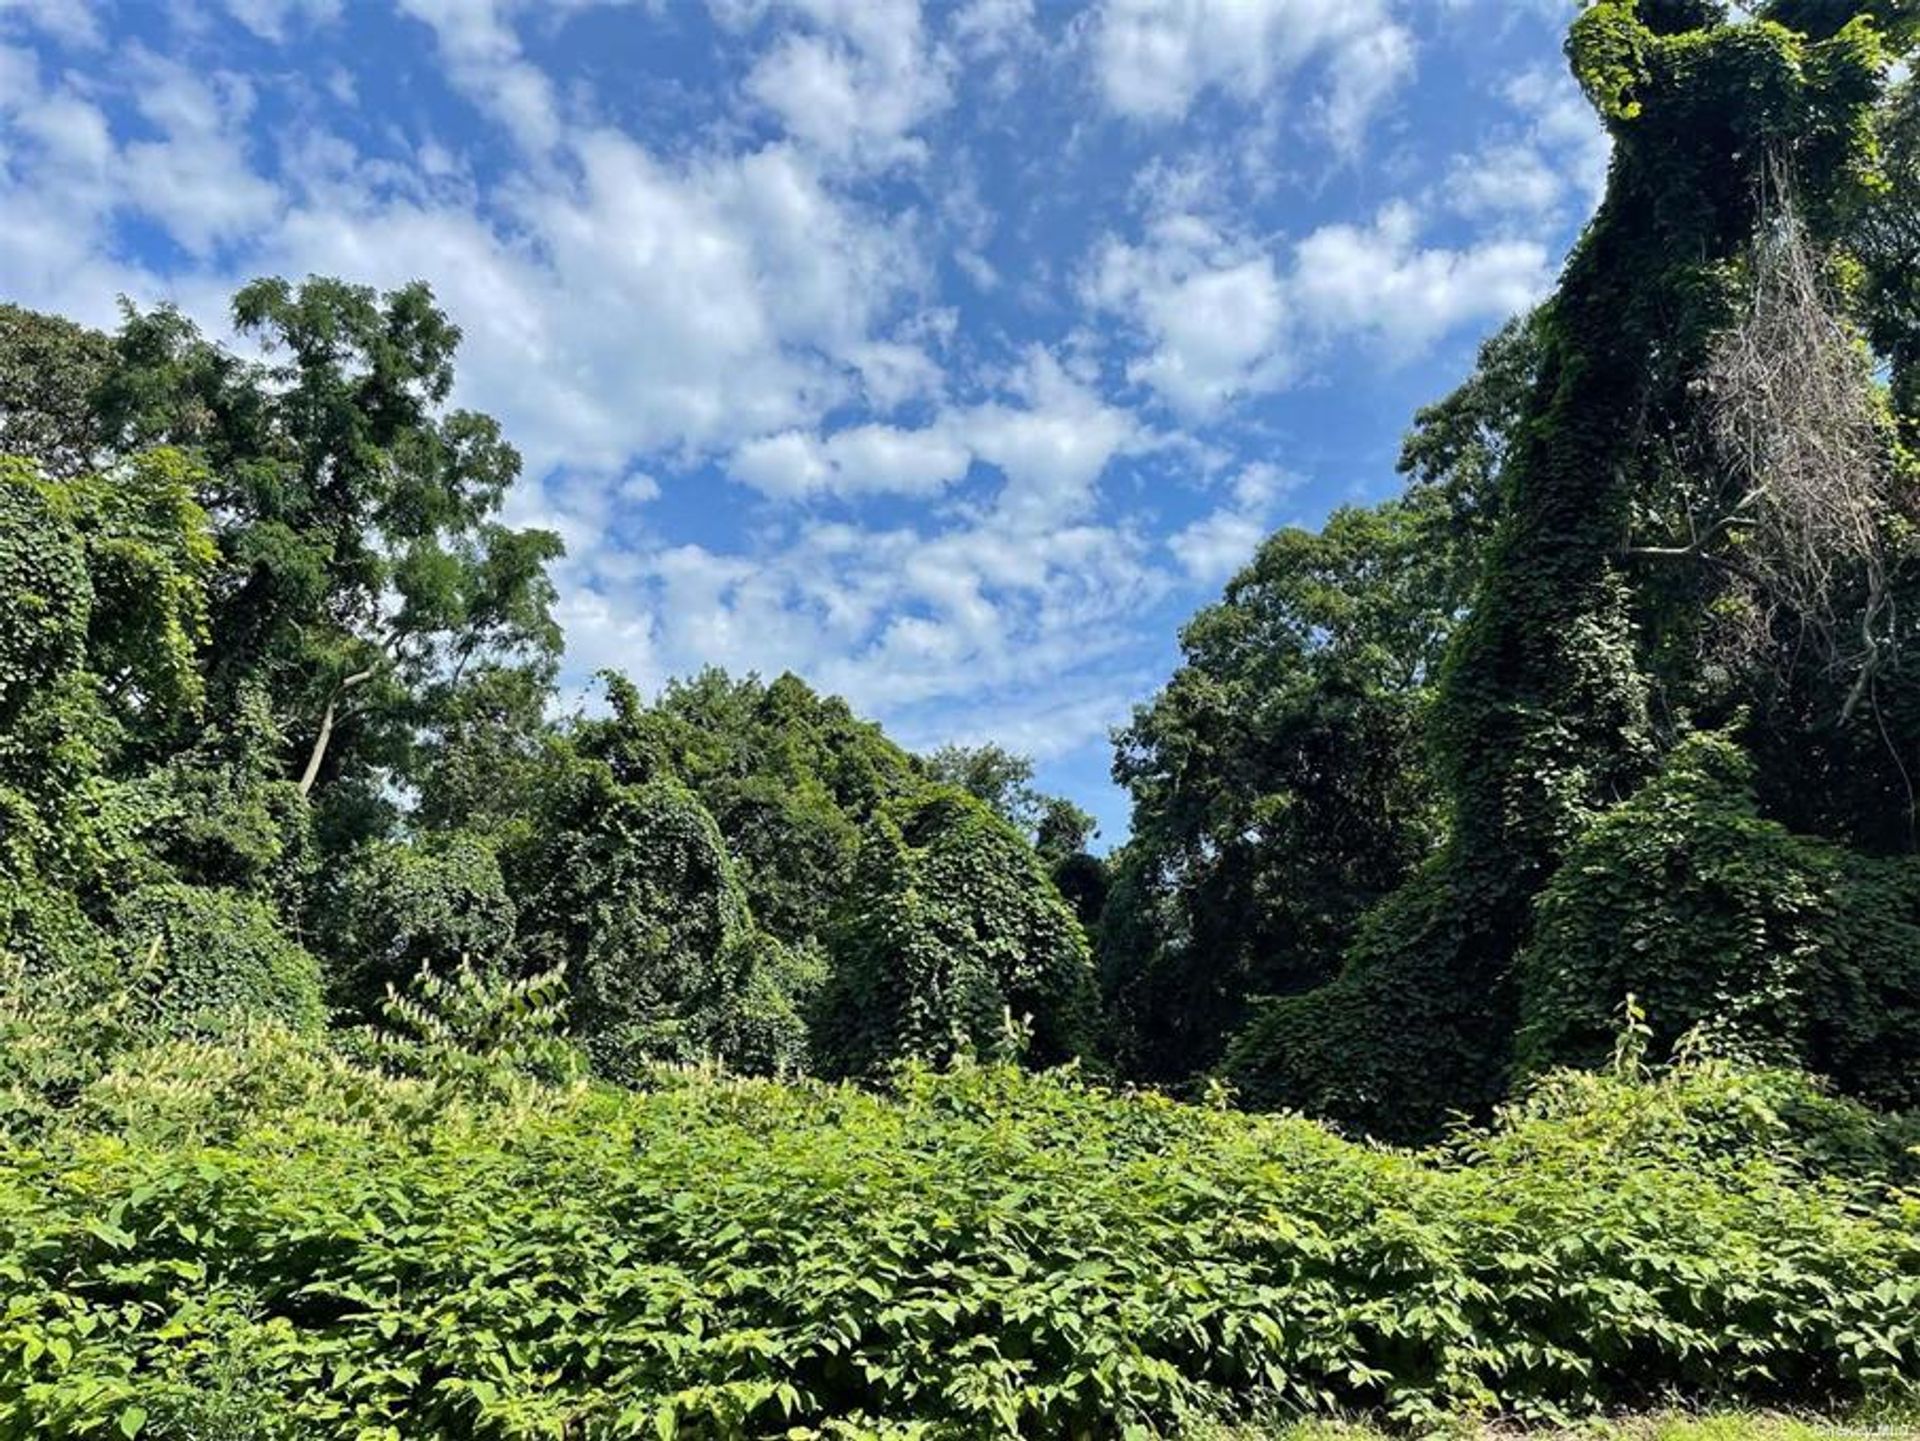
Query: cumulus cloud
[(1561, 123), (851, 80), (1550, 165), (1154, 58), (1505, 179), (1213, 311), (1049, 437), (862, 459), (1379, 280), (1217, 544), (276, 20), (76, 22), (195, 180), (1219, 317)]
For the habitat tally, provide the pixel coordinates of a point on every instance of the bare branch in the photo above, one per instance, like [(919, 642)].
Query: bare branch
[(1791, 410)]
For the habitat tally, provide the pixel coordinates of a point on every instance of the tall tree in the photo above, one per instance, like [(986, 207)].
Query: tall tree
[(360, 556), (1544, 714), (1279, 782)]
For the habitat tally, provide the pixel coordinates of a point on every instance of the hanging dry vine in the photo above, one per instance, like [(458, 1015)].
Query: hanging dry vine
[(1793, 415)]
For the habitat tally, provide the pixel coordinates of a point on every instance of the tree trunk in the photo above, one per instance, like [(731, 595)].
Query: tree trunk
[(325, 737)]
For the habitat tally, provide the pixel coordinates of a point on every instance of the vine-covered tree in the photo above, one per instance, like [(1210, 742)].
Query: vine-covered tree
[(952, 940), (1580, 655), (633, 893)]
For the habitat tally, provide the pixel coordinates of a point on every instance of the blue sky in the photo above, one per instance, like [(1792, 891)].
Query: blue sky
[(947, 354)]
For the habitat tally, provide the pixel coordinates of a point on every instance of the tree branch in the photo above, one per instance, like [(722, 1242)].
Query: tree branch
[(327, 718)]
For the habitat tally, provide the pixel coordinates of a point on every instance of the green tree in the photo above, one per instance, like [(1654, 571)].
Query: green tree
[(953, 940), (1279, 782), (1546, 711), (50, 371), (994, 776), (1062, 830), (360, 557), (789, 776)]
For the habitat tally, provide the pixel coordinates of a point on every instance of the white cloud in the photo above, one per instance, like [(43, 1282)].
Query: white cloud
[(638, 488), (1219, 318), (1154, 58), (853, 84), (1504, 180), (197, 180), (1215, 546), (1051, 438), (484, 61), (1052, 445), (275, 19), (989, 29), (1554, 162), (77, 22), (1379, 281), (1213, 311), (1563, 125), (861, 460)]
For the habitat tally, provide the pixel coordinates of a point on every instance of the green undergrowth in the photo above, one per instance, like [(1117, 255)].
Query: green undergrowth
[(258, 1238), (1730, 1426)]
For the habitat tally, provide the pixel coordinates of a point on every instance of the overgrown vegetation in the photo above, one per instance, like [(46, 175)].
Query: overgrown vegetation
[(372, 1034), (264, 1231)]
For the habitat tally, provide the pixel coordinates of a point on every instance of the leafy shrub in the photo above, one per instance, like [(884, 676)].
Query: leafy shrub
[(60, 1030), (952, 934), (221, 813), (1405, 1038), (465, 1026), (44, 930), (640, 903), (45, 592), (399, 908), (981, 1253), (212, 959), (1709, 914)]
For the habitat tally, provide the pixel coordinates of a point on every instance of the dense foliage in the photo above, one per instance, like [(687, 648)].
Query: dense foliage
[(265, 636), (275, 724), (1687, 898), (263, 1240), (952, 943), (1279, 783), (1656, 552), (372, 1032)]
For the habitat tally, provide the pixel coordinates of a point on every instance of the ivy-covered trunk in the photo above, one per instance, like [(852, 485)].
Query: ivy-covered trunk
[(1543, 714)]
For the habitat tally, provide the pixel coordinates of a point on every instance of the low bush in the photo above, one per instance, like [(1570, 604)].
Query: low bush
[(1784, 945), (261, 1239), (207, 960)]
